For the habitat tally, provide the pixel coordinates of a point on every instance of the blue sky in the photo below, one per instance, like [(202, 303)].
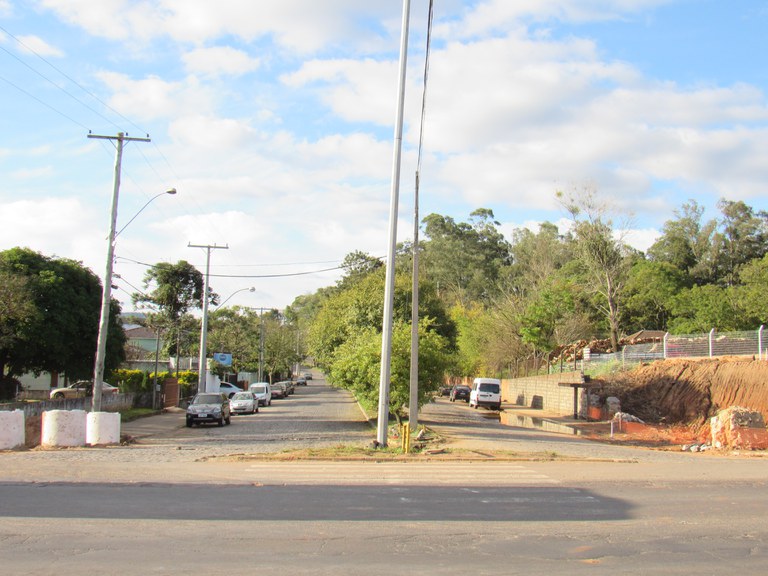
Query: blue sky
[(274, 120)]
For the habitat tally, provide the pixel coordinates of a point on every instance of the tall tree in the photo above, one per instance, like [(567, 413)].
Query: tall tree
[(176, 289), (465, 260), (744, 238), (61, 336), (603, 257)]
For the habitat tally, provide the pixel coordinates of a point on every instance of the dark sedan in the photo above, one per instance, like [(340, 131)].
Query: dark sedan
[(209, 407), (460, 393)]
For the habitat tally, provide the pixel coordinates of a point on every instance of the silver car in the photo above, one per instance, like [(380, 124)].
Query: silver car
[(243, 403)]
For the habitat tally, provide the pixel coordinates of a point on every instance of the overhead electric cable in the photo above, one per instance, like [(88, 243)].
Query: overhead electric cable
[(75, 82)]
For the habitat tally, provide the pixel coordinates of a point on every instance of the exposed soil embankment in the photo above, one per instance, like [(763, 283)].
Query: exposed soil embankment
[(689, 391)]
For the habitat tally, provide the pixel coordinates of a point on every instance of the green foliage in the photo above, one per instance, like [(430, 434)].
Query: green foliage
[(140, 381), (177, 288), (701, 308), (465, 260), (60, 334), (753, 295), (649, 294), (357, 364)]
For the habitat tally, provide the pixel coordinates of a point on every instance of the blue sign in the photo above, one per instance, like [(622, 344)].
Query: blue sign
[(223, 359)]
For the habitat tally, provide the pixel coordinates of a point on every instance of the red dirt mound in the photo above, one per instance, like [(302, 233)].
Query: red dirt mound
[(690, 391)]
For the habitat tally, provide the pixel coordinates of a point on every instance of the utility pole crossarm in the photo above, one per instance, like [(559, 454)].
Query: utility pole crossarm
[(120, 136)]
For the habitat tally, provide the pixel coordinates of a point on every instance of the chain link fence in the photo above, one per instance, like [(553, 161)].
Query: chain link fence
[(705, 345)]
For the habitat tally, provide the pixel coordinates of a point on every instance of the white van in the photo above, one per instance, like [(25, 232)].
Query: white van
[(262, 391), (485, 392)]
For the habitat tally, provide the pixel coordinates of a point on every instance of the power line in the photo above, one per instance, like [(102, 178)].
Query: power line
[(75, 82), (20, 89), (284, 275)]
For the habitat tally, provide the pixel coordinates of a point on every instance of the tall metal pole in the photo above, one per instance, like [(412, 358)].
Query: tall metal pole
[(261, 344), (413, 398), (106, 294), (202, 366), (389, 287)]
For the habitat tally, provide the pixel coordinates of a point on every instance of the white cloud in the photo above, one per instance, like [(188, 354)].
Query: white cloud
[(40, 46), (300, 25), (152, 97), (219, 61)]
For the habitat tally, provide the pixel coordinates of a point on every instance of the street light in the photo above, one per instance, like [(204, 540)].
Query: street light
[(251, 289), (106, 295), (169, 191)]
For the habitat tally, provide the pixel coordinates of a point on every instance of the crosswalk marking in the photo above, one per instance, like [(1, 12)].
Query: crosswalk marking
[(397, 473)]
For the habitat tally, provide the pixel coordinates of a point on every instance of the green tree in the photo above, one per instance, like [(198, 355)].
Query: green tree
[(688, 244), (753, 295), (465, 260), (61, 335), (701, 308), (604, 258), (744, 237), (649, 294), (358, 361)]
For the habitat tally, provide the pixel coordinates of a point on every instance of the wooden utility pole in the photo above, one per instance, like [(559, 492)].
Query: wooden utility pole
[(106, 295)]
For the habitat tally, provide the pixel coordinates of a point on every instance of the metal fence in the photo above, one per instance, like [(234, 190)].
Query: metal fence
[(705, 345)]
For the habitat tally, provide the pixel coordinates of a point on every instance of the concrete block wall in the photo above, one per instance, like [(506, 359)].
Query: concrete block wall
[(542, 392)]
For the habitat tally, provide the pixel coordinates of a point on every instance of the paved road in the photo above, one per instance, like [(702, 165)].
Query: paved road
[(165, 506)]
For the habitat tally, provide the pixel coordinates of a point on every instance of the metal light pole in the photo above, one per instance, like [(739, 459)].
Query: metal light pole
[(389, 287), (202, 367)]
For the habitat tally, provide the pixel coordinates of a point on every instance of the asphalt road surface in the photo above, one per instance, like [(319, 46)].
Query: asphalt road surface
[(165, 507)]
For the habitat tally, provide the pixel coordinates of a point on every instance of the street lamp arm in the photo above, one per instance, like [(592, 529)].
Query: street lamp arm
[(251, 289), (170, 191)]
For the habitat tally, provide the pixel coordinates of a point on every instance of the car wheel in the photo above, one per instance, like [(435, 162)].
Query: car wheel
[(58, 396)]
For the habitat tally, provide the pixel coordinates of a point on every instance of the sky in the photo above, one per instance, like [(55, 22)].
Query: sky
[(275, 122)]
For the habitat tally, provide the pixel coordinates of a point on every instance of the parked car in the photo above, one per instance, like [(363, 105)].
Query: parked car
[(209, 407), (263, 393), (244, 403), (307, 375), (290, 386), (486, 392), (80, 389), (279, 390), (459, 392), (301, 381), (229, 389), (444, 390)]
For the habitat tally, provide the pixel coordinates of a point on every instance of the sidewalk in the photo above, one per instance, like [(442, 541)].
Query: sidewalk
[(158, 424)]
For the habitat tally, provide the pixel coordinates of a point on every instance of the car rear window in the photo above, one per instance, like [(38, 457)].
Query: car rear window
[(258, 389), (487, 387)]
